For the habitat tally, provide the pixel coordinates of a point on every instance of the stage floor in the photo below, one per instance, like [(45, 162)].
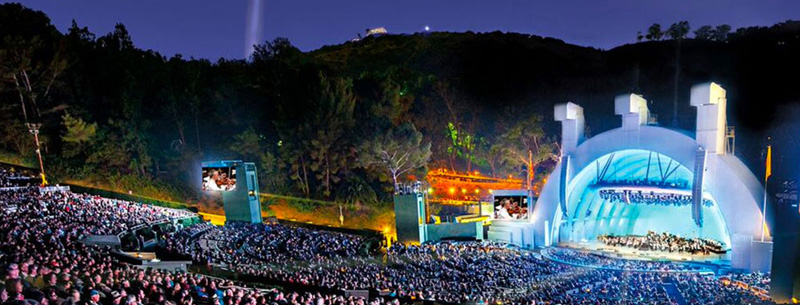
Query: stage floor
[(634, 254)]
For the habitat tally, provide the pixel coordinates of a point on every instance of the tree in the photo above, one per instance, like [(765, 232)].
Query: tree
[(333, 118), (313, 131), (385, 97), (15, 136), (247, 144), (639, 36), (705, 32), (398, 151), (525, 145), (462, 145), (31, 60), (491, 156), (269, 172), (107, 155), (77, 136), (250, 146), (31, 56), (459, 128), (678, 30), (295, 155), (721, 32), (654, 32), (118, 40)]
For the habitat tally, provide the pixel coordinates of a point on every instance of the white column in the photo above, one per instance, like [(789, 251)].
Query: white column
[(572, 126), (633, 109), (711, 103)]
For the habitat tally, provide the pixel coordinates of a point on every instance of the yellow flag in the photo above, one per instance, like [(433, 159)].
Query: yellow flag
[(769, 162)]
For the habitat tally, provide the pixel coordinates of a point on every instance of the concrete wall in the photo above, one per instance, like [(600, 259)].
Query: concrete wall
[(409, 213), (242, 204), (520, 233), (449, 230)]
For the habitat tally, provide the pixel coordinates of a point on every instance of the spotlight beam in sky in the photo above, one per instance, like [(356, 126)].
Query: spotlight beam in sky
[(252, 27)]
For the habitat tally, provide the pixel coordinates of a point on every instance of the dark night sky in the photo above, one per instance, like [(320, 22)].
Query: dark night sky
[(216, 28)]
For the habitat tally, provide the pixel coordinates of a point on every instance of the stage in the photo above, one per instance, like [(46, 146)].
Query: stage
[(642, 177), (634, 254)]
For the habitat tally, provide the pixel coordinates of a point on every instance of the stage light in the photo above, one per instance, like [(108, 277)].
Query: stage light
[(491, 191), (477, 191), (452, 190), (430, 190), (464, 191)]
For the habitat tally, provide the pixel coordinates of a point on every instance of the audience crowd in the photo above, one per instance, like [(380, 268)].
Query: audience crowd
[(588, 259), (10, 177), (664, 242), (448, 272), (755, 279), (43, 263)]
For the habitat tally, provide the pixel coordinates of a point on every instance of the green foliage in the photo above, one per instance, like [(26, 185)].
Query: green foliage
[(78, 135), (705, 32), (313, 135), (526, 145), (463, 145), (721, 32), (336, 123), (678, 30), (14, 136), (718, 33), (397, 151), (17, 160), (247, 144), (108, 155), (335, 111), (654, 32), (356, 190)]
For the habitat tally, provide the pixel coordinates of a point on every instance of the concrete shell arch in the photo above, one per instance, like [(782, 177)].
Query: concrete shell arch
[(735, 190)]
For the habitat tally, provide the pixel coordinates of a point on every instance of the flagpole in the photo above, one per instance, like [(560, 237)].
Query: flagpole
[(767, 173), (764, 210)]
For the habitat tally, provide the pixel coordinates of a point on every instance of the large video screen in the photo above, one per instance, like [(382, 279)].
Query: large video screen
[(219, 179), (511, 207)]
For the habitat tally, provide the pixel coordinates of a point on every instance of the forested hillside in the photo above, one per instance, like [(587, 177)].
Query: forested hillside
[(324, 124)]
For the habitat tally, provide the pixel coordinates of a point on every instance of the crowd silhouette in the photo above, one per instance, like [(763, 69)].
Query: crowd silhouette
[(43, 263), (11, 177), (447, 272)]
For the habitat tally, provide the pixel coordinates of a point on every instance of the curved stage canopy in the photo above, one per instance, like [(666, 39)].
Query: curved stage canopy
[(640, 178), (631, 174)]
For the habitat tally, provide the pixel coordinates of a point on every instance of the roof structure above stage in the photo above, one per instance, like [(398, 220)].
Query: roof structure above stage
[(639, 178)]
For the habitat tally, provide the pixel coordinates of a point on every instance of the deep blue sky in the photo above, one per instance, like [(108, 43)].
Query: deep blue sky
[(216, 28)]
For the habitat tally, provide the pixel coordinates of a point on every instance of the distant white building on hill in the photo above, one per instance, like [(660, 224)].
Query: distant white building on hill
[(379, 31)]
